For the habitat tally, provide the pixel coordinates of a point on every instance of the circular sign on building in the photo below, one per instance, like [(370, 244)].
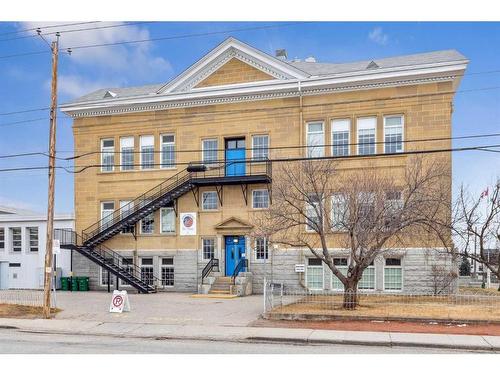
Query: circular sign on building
[(188, 223)]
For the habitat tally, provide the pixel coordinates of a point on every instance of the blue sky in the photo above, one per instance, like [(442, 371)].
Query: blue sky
[(25, 82)]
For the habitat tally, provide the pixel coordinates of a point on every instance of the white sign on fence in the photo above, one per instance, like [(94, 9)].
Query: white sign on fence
[(56, 247), (119, 302), (188, 223), (300, 268)]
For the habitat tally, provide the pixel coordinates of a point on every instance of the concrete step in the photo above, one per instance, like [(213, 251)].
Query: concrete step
[(219, 291)]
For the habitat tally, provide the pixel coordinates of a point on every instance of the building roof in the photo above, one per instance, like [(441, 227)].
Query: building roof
[(311, 68), (318, 68), (286, 76), (13, 214)]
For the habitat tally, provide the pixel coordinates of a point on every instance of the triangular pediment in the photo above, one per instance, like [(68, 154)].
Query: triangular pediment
[(233, 72), (230, 56), (233, 224)]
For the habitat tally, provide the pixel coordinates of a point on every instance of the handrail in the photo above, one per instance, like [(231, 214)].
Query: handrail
[(212, 263), (242, 264), (69, 237), (217, 168)]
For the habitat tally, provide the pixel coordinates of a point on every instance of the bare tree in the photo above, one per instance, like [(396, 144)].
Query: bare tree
[(442, 279), (318, 205), (476, 220)]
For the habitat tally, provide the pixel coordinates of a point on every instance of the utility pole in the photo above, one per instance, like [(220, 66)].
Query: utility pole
[(52, 161)]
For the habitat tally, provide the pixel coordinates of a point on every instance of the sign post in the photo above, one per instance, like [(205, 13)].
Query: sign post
[(119, 302)]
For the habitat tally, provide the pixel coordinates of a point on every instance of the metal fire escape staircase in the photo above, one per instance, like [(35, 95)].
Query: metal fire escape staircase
[(164, 194)]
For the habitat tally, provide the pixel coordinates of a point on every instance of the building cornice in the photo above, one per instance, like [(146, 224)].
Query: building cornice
[(280, 92)]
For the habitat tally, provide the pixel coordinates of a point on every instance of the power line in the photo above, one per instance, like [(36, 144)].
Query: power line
[(276, 160), (26, 121), (48, 27), (76, 30), (472, 136), (185, 36)]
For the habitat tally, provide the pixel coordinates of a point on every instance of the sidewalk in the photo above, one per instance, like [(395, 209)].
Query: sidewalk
[(122, 328)]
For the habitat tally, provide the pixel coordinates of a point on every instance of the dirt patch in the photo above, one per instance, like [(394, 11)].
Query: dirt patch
[(20, 311), (386, 326), (457, 307)]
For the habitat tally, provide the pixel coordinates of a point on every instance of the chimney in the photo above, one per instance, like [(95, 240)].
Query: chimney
[(281, 54)]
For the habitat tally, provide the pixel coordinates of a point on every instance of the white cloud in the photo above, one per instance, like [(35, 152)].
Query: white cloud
[(378, 36), (75, 85), (122, 63)]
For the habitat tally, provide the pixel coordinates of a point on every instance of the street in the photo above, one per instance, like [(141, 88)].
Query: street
[(16, 342)]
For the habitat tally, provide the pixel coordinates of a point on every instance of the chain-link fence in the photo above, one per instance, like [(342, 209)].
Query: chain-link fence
[(22, 297), (279, 301)]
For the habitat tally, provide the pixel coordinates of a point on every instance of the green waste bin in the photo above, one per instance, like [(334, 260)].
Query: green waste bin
[(83, 284), (74, 284), (65, 283)]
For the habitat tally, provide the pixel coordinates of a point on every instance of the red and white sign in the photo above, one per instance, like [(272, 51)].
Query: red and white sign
[(119, 302), (188, 223)]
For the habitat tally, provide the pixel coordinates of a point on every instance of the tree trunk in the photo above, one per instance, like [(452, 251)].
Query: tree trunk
[(351, 295)]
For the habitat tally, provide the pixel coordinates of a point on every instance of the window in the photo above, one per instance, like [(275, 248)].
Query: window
[(209, 200), (314, 219), (315, 140), (147, 274), (260, 198), (168, 151), (167, 218), (127, 153), (366, 135), (260, 147), (107, 155), (208, 248), (33, 238), (393, 134), (2, 238), (148, 224), (167, 272), (393, 205), (107, 209), (341, 264), (340, 137), (261, 249), (367, 281), (393, 274), (209, 147), (128, 265), (147, 151), (314, 274), (340, 212), (16, 238), (105, 275), (126, 208), (366, 206)]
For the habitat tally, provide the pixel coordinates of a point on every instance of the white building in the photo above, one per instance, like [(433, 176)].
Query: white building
[(22, 248)]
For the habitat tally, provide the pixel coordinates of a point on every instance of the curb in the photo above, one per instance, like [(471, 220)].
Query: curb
[(266, 339), (340, 318)]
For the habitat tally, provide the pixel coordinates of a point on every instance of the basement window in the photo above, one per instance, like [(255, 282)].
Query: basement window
[(393, 274), (167, 271), (314, 274)]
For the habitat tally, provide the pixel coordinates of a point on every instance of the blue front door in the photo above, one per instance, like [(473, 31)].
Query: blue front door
[(235, 157), (235, 250)]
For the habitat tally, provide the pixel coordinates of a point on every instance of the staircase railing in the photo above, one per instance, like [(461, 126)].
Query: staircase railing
[(143, 201), (213, 263), (241, 266), (111, 257), (214, 169)]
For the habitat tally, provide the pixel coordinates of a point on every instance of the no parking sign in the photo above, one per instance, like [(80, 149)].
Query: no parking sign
[(119, 302)]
